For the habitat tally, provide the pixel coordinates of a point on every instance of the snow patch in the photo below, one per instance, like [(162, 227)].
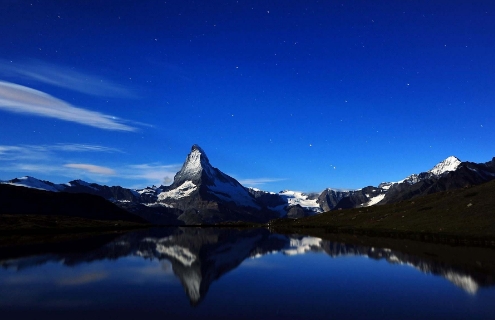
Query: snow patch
[(298, 198), (374, 200), (184, 190)]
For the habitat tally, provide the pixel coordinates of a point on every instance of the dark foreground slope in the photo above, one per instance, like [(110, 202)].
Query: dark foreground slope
[(32, 204), (464, 212)]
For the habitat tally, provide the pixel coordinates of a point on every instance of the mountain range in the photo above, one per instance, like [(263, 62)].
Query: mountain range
[(202, 194)]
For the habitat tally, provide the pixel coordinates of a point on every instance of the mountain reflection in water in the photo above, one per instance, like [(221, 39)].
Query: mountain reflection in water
[(198, 256)]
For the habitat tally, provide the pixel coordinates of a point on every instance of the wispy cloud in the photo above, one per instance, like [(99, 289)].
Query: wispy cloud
[(258, 181), (91, 168), (76, 147), (21, 99), (63, 77), (40, 152)]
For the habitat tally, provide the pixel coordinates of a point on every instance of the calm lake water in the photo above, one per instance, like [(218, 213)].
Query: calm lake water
[(250, 274)]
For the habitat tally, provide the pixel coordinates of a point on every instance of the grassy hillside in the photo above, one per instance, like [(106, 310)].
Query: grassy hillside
[(464, 212)]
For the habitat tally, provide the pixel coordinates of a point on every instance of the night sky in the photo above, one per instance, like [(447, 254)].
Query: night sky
[(299, 95)]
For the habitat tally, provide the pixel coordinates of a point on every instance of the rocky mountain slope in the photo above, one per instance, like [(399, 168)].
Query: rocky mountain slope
[(449, 174)]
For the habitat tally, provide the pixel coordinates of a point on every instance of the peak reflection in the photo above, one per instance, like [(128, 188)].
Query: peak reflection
[(198, 257)]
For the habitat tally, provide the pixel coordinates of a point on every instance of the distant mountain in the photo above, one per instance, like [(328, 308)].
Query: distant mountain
[(78, 186), (293, 204), (331, 199), (199, 194), (202, 194), (19, 200), (448, 174), (447, 165)]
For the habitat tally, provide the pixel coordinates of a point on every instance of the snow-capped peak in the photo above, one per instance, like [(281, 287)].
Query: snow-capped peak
[(195, 163), (449, 164)]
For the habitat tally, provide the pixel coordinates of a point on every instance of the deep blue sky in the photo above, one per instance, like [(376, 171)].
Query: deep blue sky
[(299, 95)]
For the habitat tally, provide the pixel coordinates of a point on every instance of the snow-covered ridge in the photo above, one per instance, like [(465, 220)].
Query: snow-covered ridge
[(299, 198), (30, 182), (149, 190)]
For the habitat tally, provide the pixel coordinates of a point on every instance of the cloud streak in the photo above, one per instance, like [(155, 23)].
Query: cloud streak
[(76, 147), (39, 152), (63, 77), (91, 168), (258, 181), (20, 99)]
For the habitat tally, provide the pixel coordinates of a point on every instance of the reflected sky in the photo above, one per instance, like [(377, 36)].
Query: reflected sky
[(235, 275)]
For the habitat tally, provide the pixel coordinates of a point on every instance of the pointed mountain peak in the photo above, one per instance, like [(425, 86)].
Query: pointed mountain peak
[(192, 169), (197, 148), (449, 164), (196, 158)]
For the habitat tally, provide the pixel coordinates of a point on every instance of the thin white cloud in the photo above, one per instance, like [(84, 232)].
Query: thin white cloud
[(20, 153), (40, 152), (258, 181), (56, 169), (21, 99), (63, 77), (82, 148), (91, 168)]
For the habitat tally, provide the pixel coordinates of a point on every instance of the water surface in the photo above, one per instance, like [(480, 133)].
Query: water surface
[(224, 273)]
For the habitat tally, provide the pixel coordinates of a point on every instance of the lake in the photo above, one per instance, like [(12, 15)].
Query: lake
[(243, 274)]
